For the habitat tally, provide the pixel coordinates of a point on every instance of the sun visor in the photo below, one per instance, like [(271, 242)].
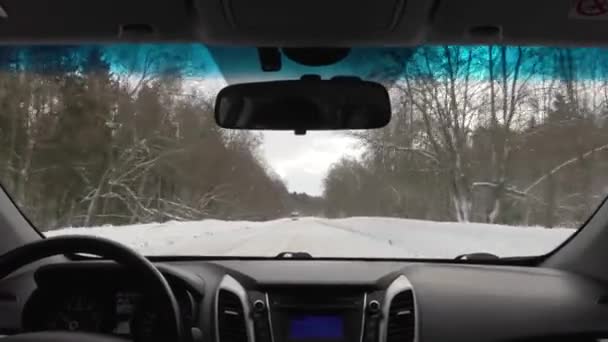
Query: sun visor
[(521, 22), (310, 22), (77, 21), (314, 16)]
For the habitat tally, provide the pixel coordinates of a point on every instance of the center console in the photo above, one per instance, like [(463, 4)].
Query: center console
[(317, 314)]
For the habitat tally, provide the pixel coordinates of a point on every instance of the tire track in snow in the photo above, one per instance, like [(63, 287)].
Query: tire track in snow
[(308, 235), (354, 231), (235, 242), (388, 242)]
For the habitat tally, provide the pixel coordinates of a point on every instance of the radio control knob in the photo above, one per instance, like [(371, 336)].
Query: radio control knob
[(259, 305), (373, 306)]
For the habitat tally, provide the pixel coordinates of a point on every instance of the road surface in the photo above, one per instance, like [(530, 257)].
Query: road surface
[(353, 237)]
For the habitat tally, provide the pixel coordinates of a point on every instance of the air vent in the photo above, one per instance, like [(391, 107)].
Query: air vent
[(231, 320), (401, 318)]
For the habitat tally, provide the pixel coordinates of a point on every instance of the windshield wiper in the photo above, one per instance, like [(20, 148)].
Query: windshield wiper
[(481, 256), (293, 255)]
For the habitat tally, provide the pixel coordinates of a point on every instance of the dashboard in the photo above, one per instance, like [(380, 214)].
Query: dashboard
[(315, 301), (104, 298), (122, 312)]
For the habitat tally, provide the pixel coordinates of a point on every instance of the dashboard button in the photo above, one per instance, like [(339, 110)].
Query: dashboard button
[(259, 306), (197, 334), (373, 306)]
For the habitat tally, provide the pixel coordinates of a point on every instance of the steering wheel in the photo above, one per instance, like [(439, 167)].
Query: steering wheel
[(137, 264)]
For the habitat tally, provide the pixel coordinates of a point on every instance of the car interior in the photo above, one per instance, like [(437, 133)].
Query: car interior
[(83, 288)]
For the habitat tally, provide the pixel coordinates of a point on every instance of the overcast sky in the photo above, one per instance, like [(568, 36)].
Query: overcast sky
[(303, 161)]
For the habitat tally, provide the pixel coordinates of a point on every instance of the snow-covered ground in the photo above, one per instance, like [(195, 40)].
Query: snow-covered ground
[(351, 237)]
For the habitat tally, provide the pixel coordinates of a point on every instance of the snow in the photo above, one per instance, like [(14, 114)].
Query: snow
[(364, 237)]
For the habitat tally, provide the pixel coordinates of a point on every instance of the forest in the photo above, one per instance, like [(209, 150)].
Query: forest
[(513, 135), (85, 144)]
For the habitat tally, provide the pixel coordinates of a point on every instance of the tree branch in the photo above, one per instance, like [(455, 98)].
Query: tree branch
[(563, 165)]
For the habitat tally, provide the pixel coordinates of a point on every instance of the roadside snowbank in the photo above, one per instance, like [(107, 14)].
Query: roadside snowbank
[(351, 237)]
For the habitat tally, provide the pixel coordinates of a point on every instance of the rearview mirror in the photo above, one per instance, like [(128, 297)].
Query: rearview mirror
[(302, 105)]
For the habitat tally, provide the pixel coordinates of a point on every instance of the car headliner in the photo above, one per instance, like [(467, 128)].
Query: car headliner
[(310, 23)]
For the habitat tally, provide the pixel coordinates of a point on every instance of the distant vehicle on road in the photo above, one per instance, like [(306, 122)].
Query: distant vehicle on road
[(294, 215)]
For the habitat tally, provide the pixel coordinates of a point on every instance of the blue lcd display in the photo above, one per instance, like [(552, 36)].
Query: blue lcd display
[(316, 327)]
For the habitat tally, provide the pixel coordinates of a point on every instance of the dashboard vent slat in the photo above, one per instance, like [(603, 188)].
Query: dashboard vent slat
[(401, 318), (231, 319)]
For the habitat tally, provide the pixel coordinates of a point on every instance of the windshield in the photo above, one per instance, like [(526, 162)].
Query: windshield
[(490, 149)]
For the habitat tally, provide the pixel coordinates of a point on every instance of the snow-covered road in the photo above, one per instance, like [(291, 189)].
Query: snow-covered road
[(352, 237)]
